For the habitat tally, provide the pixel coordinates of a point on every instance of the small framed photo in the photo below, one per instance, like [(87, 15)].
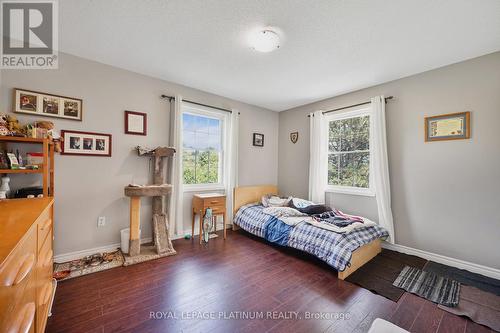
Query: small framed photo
[(258, 140), (453, 126), (86, 143), (48, 105), (136, 123)]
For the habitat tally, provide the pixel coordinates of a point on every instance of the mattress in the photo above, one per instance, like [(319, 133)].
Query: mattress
[(333, 248)]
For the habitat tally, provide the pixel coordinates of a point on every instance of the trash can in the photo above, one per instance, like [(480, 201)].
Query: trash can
[(125, 238)]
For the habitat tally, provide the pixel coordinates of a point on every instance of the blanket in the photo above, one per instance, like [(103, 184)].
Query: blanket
[(288, 215)]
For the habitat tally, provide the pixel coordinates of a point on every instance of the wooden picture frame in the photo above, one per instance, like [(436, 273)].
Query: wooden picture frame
[(258, 140), (86, 143), (37, 103), (136, 123), (452, 126)]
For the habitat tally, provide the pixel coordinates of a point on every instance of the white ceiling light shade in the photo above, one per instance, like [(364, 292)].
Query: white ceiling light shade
[(265, 40)]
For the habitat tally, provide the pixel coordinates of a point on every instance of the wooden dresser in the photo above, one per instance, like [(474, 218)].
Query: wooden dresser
[(26, 286)]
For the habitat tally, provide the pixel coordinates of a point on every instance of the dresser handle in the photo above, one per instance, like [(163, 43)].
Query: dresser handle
[(214, 202), (24, 320), (46, 224), (25, 269)]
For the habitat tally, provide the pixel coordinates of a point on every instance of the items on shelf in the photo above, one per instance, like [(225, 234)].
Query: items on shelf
[(29, 192), (5, 188), (10, 126)]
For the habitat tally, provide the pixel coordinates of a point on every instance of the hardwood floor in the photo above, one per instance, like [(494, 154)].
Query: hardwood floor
[(242, 273)]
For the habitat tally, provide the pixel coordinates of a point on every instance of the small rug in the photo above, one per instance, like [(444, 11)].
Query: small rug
[(378, 274), (90, 264), (480, 306), (465, 277), (430, 286)]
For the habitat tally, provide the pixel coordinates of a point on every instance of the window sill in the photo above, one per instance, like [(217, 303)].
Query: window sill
[(350, 190), (203, 188)]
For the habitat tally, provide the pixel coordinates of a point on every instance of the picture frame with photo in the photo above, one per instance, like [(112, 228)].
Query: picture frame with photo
[(47, 105), (86, 143), (258, 140), (136, 123)]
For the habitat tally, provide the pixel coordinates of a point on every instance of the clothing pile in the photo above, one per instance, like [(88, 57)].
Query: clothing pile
[(295, 210)]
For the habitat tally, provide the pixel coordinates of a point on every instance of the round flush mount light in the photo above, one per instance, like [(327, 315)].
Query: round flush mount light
[(265, 40)]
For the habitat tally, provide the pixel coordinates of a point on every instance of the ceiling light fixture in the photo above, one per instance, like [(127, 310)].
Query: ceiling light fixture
[(265, 41)]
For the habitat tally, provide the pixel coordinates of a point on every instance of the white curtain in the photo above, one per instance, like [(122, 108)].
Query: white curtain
[(380, 164), (232, 164), (318, 157), (176, 227)]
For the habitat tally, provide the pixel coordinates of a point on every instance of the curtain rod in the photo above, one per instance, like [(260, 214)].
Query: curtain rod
[(353, 105), (196, 103)]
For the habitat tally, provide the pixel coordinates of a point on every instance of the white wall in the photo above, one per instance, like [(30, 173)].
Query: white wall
[(88, 187), (445, 195)]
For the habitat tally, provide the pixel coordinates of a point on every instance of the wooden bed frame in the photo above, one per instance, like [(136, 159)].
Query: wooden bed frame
[(247, 194)]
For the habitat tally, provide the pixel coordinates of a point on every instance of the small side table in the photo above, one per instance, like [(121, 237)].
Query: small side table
[(202, 201)]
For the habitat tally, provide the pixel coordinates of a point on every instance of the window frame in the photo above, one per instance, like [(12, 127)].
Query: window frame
[(198, 110), (360, 111)]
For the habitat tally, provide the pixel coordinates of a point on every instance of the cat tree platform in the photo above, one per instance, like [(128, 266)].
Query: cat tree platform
[(161, 246)]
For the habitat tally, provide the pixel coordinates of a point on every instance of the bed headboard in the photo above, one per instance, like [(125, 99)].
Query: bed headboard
[(247, 194)]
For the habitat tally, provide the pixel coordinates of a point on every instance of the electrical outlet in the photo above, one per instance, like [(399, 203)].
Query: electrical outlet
[(101, 221)]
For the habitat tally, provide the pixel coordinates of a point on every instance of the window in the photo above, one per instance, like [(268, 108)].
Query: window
[(202, 147), (349, 152)]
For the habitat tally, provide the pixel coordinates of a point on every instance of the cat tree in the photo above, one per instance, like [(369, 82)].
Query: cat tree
[(161, 246)]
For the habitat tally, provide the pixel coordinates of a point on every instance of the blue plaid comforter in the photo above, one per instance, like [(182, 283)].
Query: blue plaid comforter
[(333, 248)]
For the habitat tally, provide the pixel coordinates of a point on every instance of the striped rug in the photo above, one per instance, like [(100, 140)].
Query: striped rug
[(428, 285)]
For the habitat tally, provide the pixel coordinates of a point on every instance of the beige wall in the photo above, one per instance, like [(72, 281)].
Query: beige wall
[(88, 187), (445, 195)]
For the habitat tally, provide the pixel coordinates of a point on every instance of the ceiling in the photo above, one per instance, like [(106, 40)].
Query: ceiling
[(329, 47)]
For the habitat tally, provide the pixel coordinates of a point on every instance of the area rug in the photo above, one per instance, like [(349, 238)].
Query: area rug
[(480, 306), (378, 274), (90, 264), (465, 277), (428, 285)]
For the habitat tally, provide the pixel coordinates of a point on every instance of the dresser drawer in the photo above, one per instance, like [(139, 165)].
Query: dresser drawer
[(44, 223), (218, 209), (16, 271), (43, 300), (213, 202), (22, 317), (44, 264)]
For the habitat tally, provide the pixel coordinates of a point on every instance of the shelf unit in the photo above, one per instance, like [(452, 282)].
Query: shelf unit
[(47, 169)]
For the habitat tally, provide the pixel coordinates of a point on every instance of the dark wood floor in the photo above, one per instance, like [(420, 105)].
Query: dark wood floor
[(242, 273)]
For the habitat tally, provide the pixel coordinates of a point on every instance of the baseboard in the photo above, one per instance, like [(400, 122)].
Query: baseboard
[(83, 253), (197, 231), (462, 264), (107, 248)]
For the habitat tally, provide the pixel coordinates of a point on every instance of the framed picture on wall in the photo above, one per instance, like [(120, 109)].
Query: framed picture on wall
[(48, 105), (258, 140), (86, 143), (453, 126), (136, 123)]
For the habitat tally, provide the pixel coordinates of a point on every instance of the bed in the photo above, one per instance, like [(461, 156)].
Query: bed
[(344, 252)]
